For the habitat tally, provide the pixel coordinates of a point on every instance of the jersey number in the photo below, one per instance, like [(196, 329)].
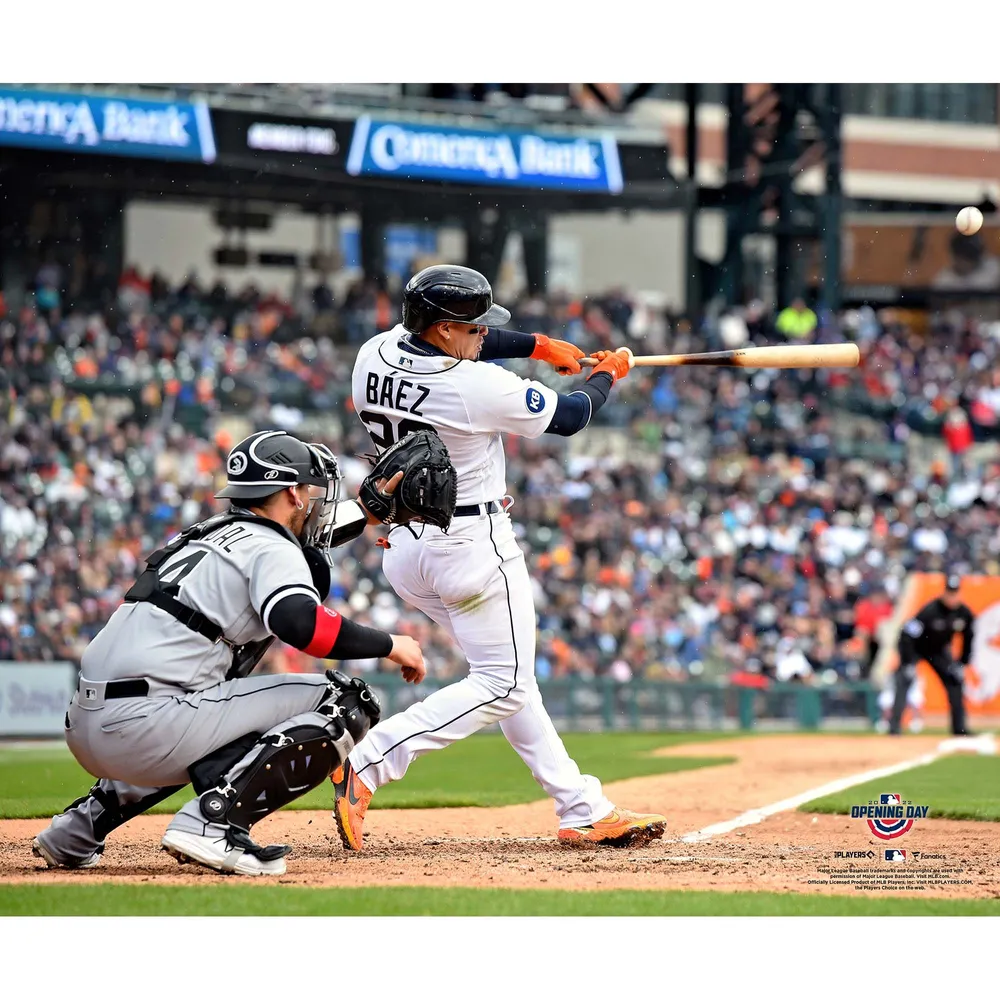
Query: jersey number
[(382, 428), (179, 570)]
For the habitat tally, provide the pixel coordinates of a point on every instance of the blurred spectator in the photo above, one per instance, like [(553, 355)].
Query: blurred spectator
[(870, 613), (971, 268), (797, 321), (958, 437), (716, 523)]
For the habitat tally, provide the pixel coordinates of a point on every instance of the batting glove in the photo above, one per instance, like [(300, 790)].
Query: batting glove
[(559, 353), (616, 363)]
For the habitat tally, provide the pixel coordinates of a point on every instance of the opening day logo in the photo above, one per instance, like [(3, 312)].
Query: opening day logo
[(890, 816)]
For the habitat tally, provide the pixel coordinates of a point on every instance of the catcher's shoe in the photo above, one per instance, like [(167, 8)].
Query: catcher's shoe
[(226, 849), (352, 798), (52, 858), (620, 828)]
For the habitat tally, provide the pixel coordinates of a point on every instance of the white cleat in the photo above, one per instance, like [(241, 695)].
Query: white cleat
[(222, 856), (39, 850)]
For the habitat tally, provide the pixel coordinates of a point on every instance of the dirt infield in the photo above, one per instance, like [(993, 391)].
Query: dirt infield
[(514, 846)]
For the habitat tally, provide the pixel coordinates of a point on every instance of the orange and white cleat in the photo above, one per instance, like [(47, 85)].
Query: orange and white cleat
[(620, 828), (350, 806)]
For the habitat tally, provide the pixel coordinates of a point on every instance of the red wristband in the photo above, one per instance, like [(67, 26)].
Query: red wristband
[(325, 634)]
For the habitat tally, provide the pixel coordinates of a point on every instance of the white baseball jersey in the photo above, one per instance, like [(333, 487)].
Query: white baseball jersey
[(234, 576), (399, 387), (473, 581)]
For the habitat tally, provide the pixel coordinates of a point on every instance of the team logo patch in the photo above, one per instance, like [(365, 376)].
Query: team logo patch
[(237, 463), (534, 401), (890, 816)]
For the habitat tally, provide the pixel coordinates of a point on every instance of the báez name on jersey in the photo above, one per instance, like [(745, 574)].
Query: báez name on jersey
[(395, 394)]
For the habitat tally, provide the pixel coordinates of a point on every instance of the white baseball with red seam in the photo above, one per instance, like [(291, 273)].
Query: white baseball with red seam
[(969, 221)]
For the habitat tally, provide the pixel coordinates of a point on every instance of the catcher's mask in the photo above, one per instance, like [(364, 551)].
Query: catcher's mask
[(322, 514)]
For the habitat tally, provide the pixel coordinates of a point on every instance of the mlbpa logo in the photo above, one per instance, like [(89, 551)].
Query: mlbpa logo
[(890, 817), (534, 400)]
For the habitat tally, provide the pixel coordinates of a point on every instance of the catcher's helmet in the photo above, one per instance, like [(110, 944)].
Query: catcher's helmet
[(269, 461), (450, 292)]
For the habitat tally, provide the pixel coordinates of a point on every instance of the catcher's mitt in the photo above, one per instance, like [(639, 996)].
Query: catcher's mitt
[(429, 487)]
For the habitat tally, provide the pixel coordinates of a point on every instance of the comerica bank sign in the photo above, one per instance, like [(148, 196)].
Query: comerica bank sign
[(110, 125), (522, 159)]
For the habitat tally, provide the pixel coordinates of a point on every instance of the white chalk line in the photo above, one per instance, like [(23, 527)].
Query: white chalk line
[(752, 816), (984, 744)]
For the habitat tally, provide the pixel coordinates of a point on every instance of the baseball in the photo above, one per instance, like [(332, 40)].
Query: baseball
[(969, 221)]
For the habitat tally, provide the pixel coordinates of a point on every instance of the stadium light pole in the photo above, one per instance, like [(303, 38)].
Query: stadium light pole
[(833, 199), (692, 293)]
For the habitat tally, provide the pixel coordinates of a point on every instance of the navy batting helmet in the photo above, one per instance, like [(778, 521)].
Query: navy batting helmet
[(450, 292)]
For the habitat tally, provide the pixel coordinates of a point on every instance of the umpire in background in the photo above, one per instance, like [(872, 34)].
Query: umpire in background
[(929, 636)]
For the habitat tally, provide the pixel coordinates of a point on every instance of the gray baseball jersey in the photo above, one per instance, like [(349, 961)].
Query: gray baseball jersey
[(234, 576)]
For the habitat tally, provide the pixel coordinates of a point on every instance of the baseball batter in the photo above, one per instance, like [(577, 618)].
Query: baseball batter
[(431, 372), (163, 697)]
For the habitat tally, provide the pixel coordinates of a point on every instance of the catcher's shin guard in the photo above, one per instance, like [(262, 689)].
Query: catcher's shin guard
[(291, 759), (282, 766)]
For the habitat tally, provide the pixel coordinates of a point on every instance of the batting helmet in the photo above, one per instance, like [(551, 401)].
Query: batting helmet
[(450, 292), (269, 461)]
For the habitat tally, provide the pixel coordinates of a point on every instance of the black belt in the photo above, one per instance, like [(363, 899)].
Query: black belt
[(126, 689), (476, 508)]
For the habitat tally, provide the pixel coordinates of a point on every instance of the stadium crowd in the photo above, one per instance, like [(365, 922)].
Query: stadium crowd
[(711, 523)]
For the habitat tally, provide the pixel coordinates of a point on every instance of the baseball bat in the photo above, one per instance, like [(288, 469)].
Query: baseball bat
[(781, 356)]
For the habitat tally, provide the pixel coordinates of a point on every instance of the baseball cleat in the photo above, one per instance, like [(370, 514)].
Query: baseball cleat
[(350, 806), (620, 828), (41, 850), (232, 853)]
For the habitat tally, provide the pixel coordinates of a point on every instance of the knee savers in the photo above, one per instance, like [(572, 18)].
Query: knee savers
[(282, 767), (251, 777)]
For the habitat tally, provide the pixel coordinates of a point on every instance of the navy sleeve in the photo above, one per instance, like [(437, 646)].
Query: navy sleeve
[(574, 410), (499, 344)]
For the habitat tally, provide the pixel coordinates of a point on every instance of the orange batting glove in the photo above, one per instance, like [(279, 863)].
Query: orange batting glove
[(558, 353), (616, 363)]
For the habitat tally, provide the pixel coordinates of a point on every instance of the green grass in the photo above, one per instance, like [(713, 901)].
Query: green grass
[(147, 899), (480, 771), (957, 787)]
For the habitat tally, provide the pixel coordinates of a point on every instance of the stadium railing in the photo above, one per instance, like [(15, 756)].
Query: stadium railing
[(602, 704)]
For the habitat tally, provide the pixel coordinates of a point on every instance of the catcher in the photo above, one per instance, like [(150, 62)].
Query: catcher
[(164, 698)]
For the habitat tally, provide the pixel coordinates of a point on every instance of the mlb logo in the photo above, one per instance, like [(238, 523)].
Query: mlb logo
[(405, 362), (895, 854), (90, 694), (889, 800)]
